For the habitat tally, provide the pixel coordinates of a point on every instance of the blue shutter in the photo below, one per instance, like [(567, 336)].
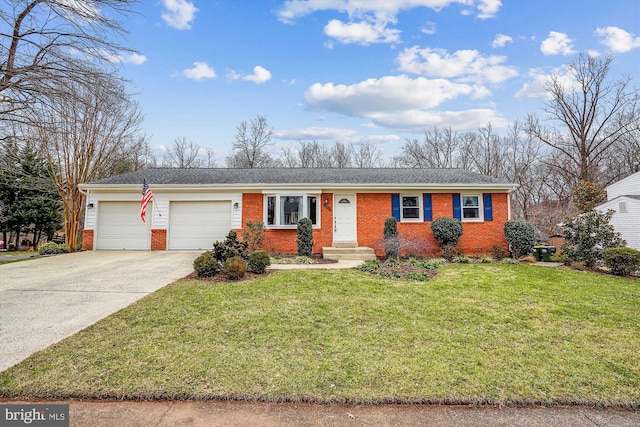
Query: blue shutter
[(426, 204), (395, 206), (457, 211), (488, 207)]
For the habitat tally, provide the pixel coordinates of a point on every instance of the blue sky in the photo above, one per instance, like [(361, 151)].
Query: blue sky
[(373, 71)]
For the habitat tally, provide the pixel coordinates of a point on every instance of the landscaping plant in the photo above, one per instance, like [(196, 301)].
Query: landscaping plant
[(521, 237), (52, 248), (206, 265), (588, 236), (258, 262), (447, 232), (622, 261), (305, 237), (230, 247), (391, 241), (235, 268), (253, 234)]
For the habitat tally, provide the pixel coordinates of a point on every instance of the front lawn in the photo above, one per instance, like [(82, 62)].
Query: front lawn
[(483, 333)]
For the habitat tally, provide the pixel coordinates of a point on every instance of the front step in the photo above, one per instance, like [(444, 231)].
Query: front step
[(358, 253)]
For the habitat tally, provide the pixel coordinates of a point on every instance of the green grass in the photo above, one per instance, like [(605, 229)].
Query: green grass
[(484, 334)]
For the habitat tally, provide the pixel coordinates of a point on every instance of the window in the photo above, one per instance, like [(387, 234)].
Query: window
[(471, 207), (622, 207), (410, 208), (288, 209)]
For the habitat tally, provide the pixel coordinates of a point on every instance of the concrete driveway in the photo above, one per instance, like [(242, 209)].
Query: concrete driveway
[(47, 299)]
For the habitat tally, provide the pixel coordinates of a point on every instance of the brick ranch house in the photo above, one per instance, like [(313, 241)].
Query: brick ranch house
[(193, 208)]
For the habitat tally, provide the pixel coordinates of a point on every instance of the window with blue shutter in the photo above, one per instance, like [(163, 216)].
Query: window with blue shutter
[(395, 206), (427, 207), (457, 211), (488, 207)]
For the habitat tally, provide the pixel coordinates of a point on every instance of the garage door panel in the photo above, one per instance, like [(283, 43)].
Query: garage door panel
[(197, 225), (120, 227)]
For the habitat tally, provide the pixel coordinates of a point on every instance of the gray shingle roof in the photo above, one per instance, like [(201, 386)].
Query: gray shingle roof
[(320, 176)]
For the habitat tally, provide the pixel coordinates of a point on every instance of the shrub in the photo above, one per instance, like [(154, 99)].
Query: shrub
[(305, 237), (498, 252), (206, 265), (302, 260), (485, 260), (462, 260), (258, 262), (231, 247), (235, 268), (588, 236), (391, 241), (253, 234), (521, 237), (449, 252), (622, 261), (447, 231), (52, 248), (369, 266)]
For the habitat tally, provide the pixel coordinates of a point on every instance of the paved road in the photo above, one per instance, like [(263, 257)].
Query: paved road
[(47, 299)]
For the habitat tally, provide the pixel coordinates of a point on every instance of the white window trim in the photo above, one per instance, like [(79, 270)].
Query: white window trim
[(420, 209), (480, 208), (278, 196)]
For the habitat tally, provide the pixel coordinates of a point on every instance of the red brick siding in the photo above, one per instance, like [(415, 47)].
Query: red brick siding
[(87, 240), (372, 210), (158, 240), (284, 240)]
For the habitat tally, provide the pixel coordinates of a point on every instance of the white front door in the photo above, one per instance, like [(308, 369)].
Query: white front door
[(344, 218)]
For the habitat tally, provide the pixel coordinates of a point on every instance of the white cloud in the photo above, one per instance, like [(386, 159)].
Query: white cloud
[(361, 32), (259, 76), (128, 58), (316, 133), (369, 19), (400, 102), (429, 28), (501, 40), (200, 71), (179, 13), (557, 44), (293, 9), (617, 39), (539, 83), (465, 65)]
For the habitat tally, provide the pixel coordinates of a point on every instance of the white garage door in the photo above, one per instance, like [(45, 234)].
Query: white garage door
[(120, 227), (197, 225)]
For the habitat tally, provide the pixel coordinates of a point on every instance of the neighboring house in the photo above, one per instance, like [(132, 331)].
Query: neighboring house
[(193, 208), (623, 198)]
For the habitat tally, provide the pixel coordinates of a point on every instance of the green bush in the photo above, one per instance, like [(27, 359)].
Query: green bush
[(447, 231), (588, 236), (258, 262), (622, 261), (235, 268), (206, 265), (449, 252), (52, 248), (462, 260), (521, 237), (369, 266), (231, 247), (305, 237), (391, 241)]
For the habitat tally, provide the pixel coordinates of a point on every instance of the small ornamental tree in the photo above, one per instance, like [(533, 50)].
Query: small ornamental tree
[(521, 237), (231, 247), (447, 232), (305, 237), (253, 234), (588, 236), (391, 241)]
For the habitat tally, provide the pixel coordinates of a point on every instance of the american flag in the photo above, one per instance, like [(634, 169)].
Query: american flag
[(147, 196)]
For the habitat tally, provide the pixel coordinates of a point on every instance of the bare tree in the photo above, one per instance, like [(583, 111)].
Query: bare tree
[(366, 156), (183, 154), (341, 155), (593, 114), (45, 42), (85, 134), (440, 149), (251, 145)]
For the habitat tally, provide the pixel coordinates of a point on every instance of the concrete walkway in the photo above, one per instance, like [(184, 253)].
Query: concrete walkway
[(49, 298), (229, 414)]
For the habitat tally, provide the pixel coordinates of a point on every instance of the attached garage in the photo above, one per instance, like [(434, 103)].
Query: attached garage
[(198, 224), (120, 227)]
